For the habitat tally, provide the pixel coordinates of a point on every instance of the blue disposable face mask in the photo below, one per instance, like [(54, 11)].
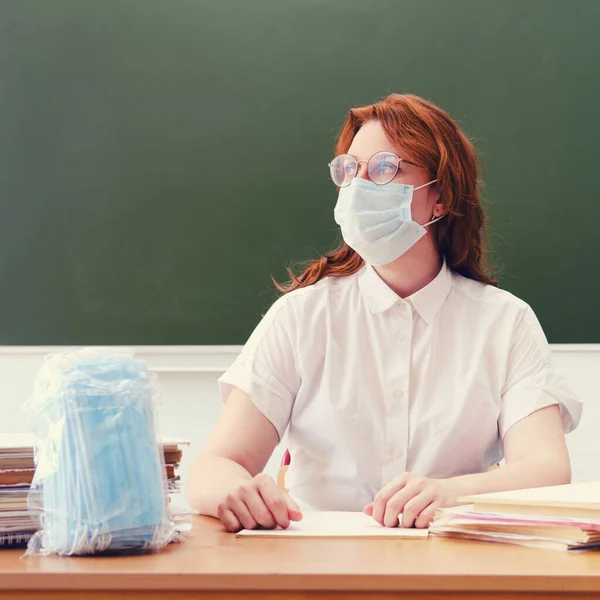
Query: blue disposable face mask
[(100, 469), (376, 220)]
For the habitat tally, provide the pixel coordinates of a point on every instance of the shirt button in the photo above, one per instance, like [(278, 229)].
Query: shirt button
[(399, 394), (394, 454), (402, 338), (401, 305)]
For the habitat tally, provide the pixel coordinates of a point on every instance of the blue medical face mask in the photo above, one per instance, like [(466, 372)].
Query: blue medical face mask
[(376, 220), (99, 469)]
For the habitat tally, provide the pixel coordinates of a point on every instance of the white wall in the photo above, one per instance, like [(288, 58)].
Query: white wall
[(191, 403)]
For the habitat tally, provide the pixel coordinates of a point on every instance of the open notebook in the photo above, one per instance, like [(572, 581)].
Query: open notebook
[(336, 524)]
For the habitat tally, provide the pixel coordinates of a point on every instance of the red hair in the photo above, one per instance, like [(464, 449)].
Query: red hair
[(434, 141)]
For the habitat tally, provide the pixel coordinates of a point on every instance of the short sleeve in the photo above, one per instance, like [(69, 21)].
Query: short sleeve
[(531, 381), (266, 368)]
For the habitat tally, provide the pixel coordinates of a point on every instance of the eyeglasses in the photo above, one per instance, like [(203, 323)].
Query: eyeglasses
[(381, 167)]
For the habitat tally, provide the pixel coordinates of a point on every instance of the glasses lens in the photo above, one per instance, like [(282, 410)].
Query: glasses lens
[(343, 169), (383, 167)]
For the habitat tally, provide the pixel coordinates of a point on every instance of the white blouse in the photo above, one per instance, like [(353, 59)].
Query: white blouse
[(369, 385)]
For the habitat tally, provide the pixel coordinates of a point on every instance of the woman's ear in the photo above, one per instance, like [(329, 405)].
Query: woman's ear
[(439, 210)]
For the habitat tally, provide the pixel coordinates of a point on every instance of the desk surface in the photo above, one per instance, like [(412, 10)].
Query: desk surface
[(215, 564)]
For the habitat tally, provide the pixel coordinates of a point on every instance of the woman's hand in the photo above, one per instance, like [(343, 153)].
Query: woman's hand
[(415, 497), (258, 502)]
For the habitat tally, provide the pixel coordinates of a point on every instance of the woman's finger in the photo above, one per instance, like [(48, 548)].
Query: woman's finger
[(414, 507), (424, 519), (395, 505), (229, 520), (294, 510), (242, 513), (257, 507), (275, 501), (384, 495)]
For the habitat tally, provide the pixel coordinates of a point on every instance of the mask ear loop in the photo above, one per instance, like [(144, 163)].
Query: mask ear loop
[(435, 219), (424, 185)]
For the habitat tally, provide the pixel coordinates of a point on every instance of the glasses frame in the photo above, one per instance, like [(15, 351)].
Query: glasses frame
[(400, 161)]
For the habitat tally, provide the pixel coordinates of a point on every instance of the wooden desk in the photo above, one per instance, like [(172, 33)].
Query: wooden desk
[(213, 564)]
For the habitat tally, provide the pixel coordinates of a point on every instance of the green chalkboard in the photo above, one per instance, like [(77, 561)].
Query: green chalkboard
[(161, 159)]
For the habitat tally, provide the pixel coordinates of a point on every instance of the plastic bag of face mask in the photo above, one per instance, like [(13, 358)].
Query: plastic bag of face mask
[(100, 483)]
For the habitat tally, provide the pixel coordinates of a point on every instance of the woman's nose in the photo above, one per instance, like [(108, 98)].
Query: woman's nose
[(362, 170)]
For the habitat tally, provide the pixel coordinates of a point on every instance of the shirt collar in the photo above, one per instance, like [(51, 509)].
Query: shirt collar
[(427, 301)]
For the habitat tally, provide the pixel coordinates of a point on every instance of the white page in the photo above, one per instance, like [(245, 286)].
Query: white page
[(330, 524)]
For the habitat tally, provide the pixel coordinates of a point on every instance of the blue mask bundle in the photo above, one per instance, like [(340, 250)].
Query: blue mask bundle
[(100, 482)]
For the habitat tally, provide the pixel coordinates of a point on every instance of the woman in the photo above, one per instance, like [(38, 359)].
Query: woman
[(399, 370)]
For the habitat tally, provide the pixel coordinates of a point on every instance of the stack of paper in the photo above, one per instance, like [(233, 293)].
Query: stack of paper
[(17, 468), (565, 517)]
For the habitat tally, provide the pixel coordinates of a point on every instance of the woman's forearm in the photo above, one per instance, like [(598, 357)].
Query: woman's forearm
[(526, 473)]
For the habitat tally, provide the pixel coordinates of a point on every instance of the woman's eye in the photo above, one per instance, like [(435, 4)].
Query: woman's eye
[(386, 168)]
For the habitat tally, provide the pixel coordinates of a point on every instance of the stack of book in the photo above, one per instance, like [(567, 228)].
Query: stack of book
[(17, 468), (565, 517), (180, 512), (173, 452), (17, 524)]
